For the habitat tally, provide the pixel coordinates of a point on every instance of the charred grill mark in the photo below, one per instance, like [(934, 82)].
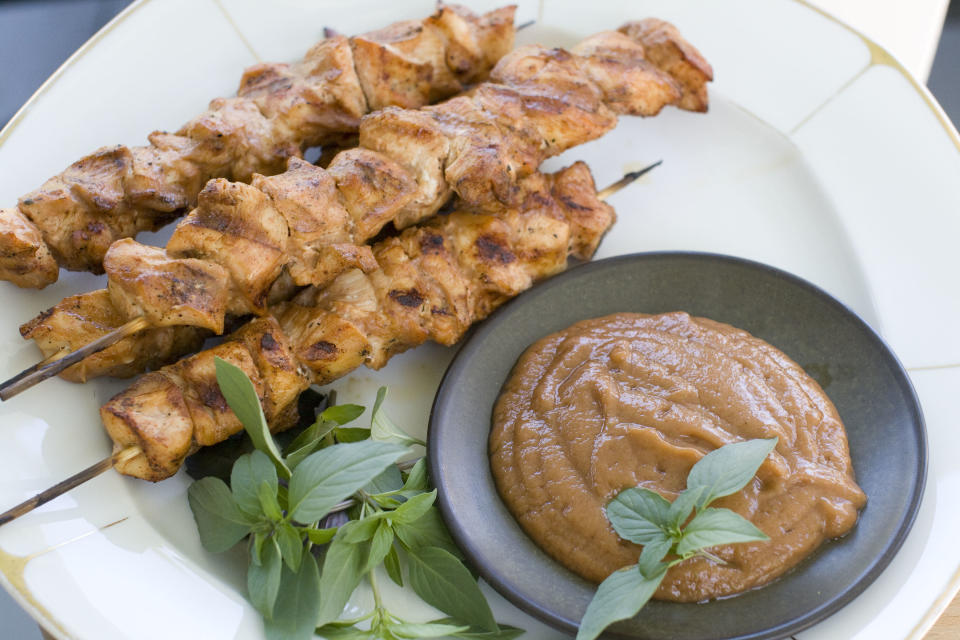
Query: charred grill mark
[(437, 311), (431, 243), (268, 342), (211, 397), (570, 203), (408, 298), (491, 249), (322, 350)]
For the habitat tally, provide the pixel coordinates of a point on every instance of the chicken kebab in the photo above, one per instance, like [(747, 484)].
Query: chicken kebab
[(431, 283), (307, 225), (279, 111)]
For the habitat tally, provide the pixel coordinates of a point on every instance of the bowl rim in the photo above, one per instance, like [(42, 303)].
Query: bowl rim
[(559, 621)]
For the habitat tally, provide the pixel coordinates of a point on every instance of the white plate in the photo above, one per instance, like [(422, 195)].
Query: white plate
[(819, 156)]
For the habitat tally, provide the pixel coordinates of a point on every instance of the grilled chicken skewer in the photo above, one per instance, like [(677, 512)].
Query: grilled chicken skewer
[(432, 283), (279, 111), (544, 102)]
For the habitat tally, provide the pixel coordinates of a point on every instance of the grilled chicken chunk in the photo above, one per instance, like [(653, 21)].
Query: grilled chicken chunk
[(79, 320), (667, 49), (172, 412), (279, 110), (432, 283)]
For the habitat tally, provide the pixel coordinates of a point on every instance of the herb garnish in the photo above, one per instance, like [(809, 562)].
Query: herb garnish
[(328, 512), (645, 517)]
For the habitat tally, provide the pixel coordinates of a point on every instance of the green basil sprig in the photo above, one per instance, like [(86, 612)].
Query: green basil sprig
[(647, 518), (303, 568)]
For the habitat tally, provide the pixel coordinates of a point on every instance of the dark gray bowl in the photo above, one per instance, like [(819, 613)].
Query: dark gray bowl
[(857, 370)]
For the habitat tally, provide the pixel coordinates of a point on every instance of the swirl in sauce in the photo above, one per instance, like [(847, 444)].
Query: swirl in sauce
[(636, 400)]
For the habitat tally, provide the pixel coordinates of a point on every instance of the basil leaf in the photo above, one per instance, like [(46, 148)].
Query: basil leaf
[(505, 632), (388, 481), (442, 581), (295, 610), (414, 508), (220, 522), (391, 563), (619, 597), (351, 434), (425, 630), (417, 477), (242, 397), (342, 413), (330, 475), (360, 530), (291, 545), (342, 570), (650, 562), (427, 531), (682, 507), (382, 429), (307, 442), (339, 632), (249, 472), (321, 536), (639, 515), (713, 527), (268, 501), (728, 469), (263, 579), (380, 546), (256, 547)]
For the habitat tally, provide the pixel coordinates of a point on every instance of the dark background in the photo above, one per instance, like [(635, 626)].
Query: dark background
[(36, 36)]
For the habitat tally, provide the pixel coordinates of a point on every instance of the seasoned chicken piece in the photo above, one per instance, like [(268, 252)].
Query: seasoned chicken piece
[(284, 379), (415, 140), (145, 281), (25, 259), (373, 188), (236, 226), (313, 100), (474, 43), (79, 320), (152, 415), (279, 111), (170, 413), (666, 48), (404, 65), (306, 197), (631, 84)]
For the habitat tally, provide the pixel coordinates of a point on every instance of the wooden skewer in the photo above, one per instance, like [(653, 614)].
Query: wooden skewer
[(628, 178), (131, 452), (49, 368), (66, 485), (94, 470)]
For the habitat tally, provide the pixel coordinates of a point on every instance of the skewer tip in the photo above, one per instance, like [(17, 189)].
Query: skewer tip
[(627, 179), (524, 25)]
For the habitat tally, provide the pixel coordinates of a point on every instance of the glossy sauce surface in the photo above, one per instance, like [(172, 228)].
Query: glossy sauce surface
[(636, 400)]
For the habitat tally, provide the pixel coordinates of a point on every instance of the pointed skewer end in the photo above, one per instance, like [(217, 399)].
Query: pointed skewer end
[(627, 179)]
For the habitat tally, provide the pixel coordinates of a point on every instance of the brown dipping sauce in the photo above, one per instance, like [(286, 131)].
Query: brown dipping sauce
[(636, 400)]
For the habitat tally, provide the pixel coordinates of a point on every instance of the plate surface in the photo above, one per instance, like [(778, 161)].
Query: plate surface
[(863, 378), (826, 161)]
